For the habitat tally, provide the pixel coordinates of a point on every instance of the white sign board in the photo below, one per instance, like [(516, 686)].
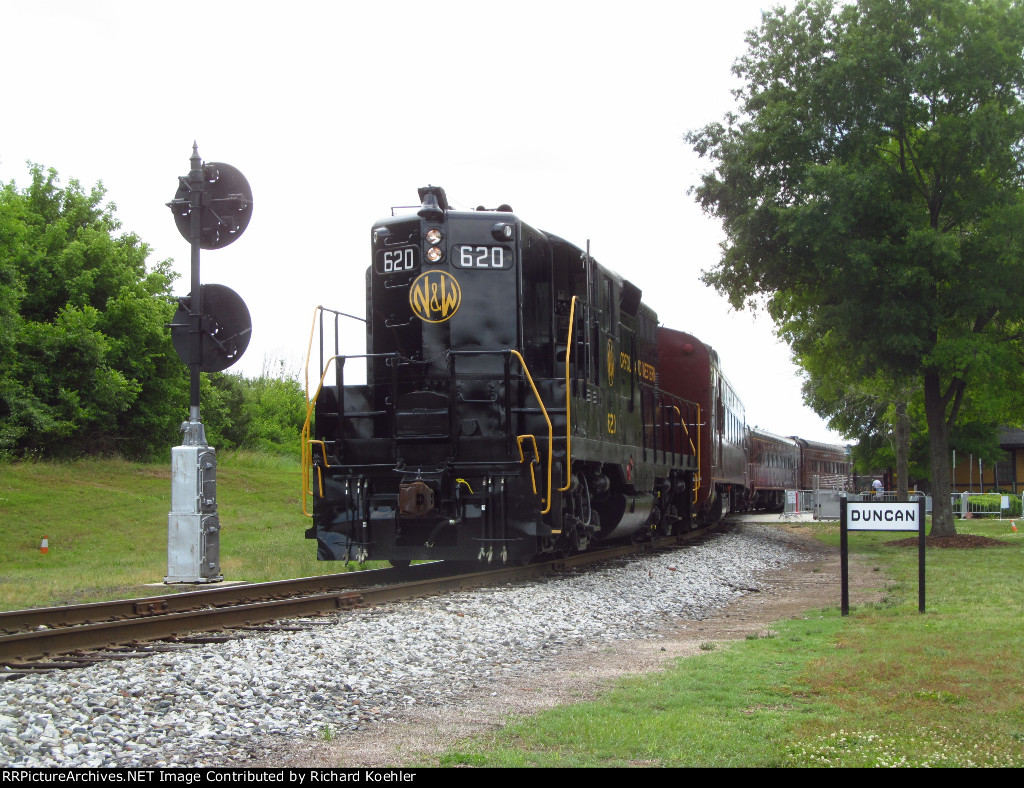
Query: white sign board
[(880, 516), (883, 517)]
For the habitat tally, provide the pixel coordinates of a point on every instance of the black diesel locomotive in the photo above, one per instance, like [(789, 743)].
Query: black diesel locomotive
[(512, 405)]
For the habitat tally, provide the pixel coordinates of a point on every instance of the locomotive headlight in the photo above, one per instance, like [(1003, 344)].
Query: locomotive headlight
[(433, 236), (434, 254), (502, 231)]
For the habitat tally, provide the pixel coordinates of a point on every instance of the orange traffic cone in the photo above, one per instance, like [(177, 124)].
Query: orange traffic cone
[(45, 546), (1013, 527)]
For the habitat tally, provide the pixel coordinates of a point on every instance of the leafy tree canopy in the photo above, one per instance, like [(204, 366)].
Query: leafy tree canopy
[(260, 414), (86, 363), (870, 191)]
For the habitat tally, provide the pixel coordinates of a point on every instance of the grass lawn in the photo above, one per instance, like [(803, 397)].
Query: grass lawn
[(106, 524), (885, 686)]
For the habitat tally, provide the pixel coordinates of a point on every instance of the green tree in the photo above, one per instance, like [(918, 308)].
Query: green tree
[(870, 409), (12, 290), (870, 186), (86, 364), (260, 414)]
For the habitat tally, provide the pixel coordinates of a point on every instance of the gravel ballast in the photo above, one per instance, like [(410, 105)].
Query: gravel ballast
[(224, 703)]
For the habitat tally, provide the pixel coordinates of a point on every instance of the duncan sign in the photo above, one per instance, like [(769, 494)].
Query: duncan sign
[(883, 516), (880, 516)]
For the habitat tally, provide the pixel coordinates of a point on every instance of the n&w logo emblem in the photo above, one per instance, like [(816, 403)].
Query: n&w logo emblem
[(435, 296)]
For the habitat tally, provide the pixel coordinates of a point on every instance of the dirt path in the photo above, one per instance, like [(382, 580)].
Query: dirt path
[(420, 734)]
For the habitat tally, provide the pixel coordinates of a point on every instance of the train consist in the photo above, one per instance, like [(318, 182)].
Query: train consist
[(520, 401)]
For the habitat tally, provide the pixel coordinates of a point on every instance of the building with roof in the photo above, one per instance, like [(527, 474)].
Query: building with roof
[(971, 474)]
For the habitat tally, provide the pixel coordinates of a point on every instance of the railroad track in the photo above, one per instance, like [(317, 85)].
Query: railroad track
[(29, 636)]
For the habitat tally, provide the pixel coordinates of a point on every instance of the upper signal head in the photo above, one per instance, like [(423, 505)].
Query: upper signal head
[(227, 205)]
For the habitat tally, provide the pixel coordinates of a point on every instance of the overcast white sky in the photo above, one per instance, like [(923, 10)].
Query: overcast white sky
[(572, 112)]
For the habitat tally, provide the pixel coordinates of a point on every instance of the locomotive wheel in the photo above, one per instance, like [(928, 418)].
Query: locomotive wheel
[(578, 541), (581, 501), (713, 513), (667, 526)]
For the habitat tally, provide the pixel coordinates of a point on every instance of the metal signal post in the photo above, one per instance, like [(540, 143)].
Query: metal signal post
[(195, 186), (210, 332)]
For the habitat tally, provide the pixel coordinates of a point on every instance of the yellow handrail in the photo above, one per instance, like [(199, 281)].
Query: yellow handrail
[(319, 473), (696, 449), (305, 441), (685, 428), (568, 401), (551, 433), (305, 452), (689, 439), (309, 347), (697, 477), (305, 448), (522, 457)]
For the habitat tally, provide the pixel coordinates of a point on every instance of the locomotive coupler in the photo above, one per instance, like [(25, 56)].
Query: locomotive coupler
[(415, 499)]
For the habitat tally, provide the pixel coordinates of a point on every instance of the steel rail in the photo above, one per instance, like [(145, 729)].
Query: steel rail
[(183, 601), (49, 640)]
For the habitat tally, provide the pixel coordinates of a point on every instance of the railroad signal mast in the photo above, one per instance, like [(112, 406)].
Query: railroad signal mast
[(210, 332)]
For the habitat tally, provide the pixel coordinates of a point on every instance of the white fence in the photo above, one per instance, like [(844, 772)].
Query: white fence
[(967, 505), (798, 502), (824, 504)]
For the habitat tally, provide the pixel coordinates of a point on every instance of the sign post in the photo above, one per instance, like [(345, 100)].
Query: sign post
[(880, 516)]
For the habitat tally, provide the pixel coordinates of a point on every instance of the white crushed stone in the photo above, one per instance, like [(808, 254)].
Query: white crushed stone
[(212, 704)]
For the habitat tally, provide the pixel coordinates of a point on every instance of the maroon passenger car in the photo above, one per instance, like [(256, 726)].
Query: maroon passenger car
[(774, 468), (690, 369)]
